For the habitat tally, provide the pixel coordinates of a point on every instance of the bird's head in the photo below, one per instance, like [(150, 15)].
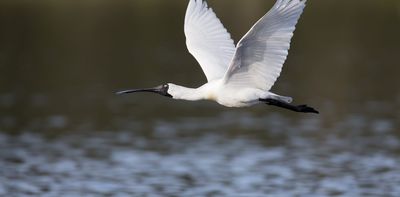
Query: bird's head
[(163, 90)]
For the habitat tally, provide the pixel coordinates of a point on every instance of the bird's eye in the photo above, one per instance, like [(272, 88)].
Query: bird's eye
[(165, 86)]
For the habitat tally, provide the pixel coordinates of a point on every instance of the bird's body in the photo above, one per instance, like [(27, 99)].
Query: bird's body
[(243, 75), (228, 96), (217, 91)]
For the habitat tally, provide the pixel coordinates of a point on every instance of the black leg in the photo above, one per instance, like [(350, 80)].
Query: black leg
[(296, 108)]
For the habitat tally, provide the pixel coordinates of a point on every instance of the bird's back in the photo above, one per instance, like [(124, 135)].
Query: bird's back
[(231, 96)]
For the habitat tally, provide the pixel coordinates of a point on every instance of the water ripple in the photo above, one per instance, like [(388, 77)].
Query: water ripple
[(179, 158)]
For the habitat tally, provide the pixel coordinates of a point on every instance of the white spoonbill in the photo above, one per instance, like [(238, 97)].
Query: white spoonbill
[(243, 75)]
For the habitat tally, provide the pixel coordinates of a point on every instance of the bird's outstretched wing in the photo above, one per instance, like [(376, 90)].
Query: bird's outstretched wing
[(260, 54), (207, 40)]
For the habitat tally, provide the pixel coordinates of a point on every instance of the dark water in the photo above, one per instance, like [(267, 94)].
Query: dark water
[(64, 133)]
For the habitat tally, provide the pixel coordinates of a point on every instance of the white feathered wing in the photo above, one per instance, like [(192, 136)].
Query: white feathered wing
[(207, 40), (261, 53)]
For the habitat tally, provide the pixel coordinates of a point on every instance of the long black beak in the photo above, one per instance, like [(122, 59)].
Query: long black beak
[(162, 90)]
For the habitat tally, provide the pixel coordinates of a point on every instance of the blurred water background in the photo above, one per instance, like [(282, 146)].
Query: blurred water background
[(64, 133)]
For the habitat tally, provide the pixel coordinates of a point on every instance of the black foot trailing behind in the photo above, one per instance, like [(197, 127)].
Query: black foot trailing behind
[(296, 108)]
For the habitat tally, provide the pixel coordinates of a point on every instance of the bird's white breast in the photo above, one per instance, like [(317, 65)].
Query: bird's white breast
[(230, 96)]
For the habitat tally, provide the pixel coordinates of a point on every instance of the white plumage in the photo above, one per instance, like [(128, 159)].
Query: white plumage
[(260, 54), (242, 75), (207, 40)]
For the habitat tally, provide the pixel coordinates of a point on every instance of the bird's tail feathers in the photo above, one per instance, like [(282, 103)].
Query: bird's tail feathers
[(286, 99)]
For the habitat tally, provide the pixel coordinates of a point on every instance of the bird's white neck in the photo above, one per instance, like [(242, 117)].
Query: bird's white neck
[(184, 93)]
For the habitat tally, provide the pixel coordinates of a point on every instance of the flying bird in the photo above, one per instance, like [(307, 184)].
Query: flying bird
[(243, 75)]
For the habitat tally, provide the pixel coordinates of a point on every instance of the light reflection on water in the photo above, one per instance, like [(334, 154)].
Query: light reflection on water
[(273, 156)]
